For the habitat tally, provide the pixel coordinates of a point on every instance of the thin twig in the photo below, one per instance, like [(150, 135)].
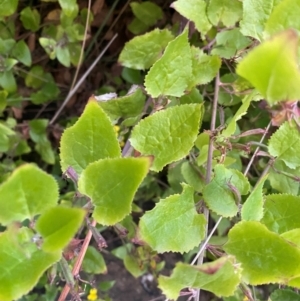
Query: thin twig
[(209, 169), (84, 76), (83, 45), (78, 262)]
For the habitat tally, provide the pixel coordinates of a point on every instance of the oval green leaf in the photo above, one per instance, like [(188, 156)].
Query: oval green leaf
[(91, 138), (168, 135), (111, 185), (27, 192)]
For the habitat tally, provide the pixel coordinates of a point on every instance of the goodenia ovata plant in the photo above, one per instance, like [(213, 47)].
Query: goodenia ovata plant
[(185, 78)]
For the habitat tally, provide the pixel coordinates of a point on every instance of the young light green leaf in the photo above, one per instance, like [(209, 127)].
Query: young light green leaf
[(22, 53), (276, 59), (130, 105), (8, 81), (255, 15), (22, 263), (281, 212), (8, 7), (284, 16), (170, 74), (204, 67), (133, 266), (63, 56), (166, 226), (222, 195), (292, 236), (195, 11), (141, 52), (194, 96), (280, 178), (285, 144), (69, 7), (91, 138), (111, 185), (93, 262), (231, 127), (229, 42), (220, 277), (252, 209), (147, 12), (284, 294), (260, 253), (226, 11), (168, 135), (58, 225), (27, 192), (30, 19)]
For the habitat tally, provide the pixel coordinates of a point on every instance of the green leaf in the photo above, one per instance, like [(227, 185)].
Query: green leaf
[(5, 133), (280, 178), (58, 225), (132, 76), (141, 52), (30, 19), (111, 185), (229, 42), (252, 209), (204, 67), (260, 252), (133, 266), (6, 46), (281, 212), (220, 277), (222, 195), (38, 133), (93, 262), (35, 77), (284, 294), (63, 56), (284, 16), (226, 11), (22, 263), (276, 59), (130, 105), (137, 27), (91, 138), (69, 7), (285, 144), (255, 15), (147, 12), (170, 75), (168, 135), (22, 53), (8, 82), (8, 7), (292, 236), (162, 227), (195, 11), (231, 127), (192, 176), (49, 46), (27, 192), (194, 96)]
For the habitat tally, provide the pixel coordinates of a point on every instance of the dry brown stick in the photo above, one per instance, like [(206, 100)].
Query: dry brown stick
[(78, 262)]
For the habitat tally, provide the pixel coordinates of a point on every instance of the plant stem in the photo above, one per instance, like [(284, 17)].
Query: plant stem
[(209, 171)]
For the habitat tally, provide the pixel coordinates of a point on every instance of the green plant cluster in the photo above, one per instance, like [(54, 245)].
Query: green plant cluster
[(212, 134)]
